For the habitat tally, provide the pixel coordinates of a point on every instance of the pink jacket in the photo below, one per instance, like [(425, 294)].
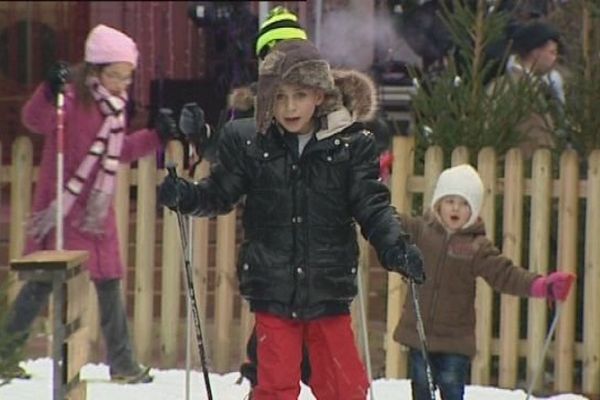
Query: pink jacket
[(81, 126)]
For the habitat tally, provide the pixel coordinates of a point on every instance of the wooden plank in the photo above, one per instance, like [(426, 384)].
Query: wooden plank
[(512, 242), (200, 247), (363, 269), (591, 279), (434, 164), (395, 354), (460, 155), (171, 272), (246, 325), (225, 290), (20, 202), (50, 260), (143, 331), (78, 352), (568, 210), (78, 289), (480, 369), (78, 391), (539, 252), (121, 205)]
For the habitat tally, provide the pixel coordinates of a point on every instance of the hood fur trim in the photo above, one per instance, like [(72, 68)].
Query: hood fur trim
[(241, 99), (355, 91)]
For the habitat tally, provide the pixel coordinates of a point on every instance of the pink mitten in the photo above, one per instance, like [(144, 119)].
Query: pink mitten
[(555, 286)]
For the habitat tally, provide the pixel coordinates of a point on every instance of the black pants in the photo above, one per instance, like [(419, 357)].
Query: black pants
[(113, 320)]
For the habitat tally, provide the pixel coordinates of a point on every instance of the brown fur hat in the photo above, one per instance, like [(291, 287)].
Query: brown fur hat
[(290, 61)]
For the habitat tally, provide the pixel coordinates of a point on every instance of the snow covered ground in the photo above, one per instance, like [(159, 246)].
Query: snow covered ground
[(170, 385)]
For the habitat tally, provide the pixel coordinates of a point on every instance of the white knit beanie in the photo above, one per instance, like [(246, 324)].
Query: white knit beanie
[(464, 181)]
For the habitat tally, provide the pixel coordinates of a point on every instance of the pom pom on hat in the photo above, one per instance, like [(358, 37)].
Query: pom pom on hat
[(105, 45), (281, 24)]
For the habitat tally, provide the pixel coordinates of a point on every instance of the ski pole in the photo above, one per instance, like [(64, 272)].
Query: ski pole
[(364, 331), (541, 363), (423, 339), (188, 320), (60, 148), (191, 292)]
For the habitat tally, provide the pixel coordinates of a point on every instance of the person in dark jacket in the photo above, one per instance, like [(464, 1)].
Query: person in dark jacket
[(308, 174), (457, 251), (238, 119)]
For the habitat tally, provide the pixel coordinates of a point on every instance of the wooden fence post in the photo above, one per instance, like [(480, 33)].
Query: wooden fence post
[(225, 291), (591, 279), (171, 271), (144, 258), (480, 368), (460, 155), (21, 178), (539, 248), (121, 204), (568, 204), (363, 269), (395, 356), (511, 246), (434, 164), (200, 262)]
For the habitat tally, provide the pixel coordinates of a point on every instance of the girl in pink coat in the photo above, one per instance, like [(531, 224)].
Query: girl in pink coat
[(94, 144)]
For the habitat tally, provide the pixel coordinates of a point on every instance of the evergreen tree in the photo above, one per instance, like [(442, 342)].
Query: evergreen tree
[(10, 351), (579, 22), (459, 106)]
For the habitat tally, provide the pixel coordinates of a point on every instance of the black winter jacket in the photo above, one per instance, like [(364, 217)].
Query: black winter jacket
[(299, 258)]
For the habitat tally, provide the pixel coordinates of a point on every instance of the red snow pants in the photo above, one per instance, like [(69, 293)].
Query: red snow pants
[(337, 372)]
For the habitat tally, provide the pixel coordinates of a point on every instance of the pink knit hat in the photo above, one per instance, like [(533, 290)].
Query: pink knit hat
[(105, 45)]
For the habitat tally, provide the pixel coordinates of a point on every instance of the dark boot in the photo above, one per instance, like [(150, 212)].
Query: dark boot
[(113, 322), (140, 376)]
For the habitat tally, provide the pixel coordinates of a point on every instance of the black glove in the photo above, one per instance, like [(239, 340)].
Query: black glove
[(193, 126), (406, 260), (172, 191), (165, 125), (57, 77)]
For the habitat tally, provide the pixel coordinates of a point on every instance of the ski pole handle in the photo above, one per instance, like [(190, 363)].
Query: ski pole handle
[(171, 168)]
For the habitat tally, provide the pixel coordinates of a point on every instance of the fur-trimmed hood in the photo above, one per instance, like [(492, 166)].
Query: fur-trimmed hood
[(353, 99), (349, 95)]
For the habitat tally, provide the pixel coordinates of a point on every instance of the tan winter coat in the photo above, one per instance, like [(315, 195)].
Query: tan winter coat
[(447, 298)]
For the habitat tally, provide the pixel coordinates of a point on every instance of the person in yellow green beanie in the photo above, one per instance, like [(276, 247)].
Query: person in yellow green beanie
[(281, 24)]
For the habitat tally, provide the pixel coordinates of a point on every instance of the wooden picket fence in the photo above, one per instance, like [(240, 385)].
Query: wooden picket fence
[(576, 363)]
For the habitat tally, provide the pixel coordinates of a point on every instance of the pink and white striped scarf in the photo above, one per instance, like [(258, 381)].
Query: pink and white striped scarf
[(106, 150)]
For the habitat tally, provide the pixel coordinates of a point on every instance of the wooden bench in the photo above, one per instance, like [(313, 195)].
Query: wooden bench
[(70, 290)]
